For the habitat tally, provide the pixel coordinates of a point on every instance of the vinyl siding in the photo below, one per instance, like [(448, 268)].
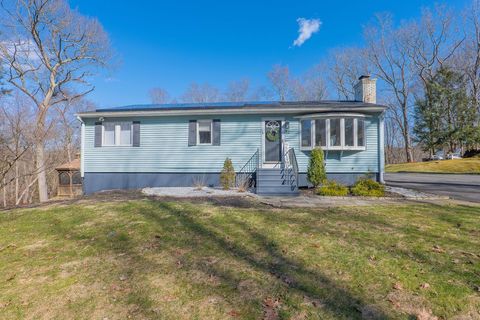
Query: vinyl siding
[(164, 147)]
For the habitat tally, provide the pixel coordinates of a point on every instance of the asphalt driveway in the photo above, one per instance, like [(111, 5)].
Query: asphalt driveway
[(456, 186)]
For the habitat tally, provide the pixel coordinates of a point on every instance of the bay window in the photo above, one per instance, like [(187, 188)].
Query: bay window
[(333, 133)]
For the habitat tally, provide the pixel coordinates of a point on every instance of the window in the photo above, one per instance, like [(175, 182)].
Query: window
[(360, 133), (347, 133), (109, 134), (76, 177), (64, 178), (205, 132), (321, 132), (117, 134), (306, 133), (335, 135)]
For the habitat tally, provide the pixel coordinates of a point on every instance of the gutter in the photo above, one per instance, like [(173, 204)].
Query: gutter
[(381, 148), (159, 113)]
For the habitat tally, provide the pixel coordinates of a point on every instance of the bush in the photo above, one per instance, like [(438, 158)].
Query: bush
[(199, 182), (332, 188), (316, 168), (227, 176), (368, 188)]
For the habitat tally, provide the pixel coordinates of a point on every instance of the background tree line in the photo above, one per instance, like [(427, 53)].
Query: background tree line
[(429, 77), (428, 70)]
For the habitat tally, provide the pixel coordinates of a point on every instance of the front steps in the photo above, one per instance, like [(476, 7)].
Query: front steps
[(276, 182)]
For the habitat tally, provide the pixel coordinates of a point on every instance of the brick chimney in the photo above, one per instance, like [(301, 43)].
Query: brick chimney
[(366, 89)]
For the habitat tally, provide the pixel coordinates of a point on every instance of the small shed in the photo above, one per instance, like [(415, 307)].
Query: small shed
[(69, 179)]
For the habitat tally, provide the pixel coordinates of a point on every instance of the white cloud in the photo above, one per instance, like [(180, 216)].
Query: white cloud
[(306, 28)]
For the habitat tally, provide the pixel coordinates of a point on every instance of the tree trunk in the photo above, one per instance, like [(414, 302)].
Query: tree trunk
[(41, 174), (406, 135), (16, 181), (408, 148), (4, 192)]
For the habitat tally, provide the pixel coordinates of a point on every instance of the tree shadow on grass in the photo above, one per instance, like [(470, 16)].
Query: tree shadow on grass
[(380, 233), (292, 274)]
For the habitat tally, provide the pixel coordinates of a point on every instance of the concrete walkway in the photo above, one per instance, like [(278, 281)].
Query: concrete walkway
[(309, 201), (191, 192)]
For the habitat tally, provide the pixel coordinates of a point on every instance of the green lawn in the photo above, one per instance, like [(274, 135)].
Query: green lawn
[(147, 259), (466, 166)]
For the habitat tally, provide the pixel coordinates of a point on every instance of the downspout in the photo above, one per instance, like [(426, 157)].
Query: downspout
[(82, 146), (381, 147)]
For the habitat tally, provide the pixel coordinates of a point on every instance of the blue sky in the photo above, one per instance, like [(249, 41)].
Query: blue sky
[(170, 44)]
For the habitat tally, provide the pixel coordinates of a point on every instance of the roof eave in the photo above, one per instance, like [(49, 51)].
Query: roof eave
[(289, 110)]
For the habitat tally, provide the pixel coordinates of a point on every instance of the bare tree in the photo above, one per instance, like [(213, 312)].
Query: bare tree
[(67, 128), (432, 41), (345, 65), (262, 93), (16, 138), (280, 81), (311, 86), (201, 93), (159, 95), (50, 52), (388, 51), (237, 90), (468, 60)]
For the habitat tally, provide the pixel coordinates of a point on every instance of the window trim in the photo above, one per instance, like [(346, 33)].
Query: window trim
[(117, 134), (342, 146), (211, 132)]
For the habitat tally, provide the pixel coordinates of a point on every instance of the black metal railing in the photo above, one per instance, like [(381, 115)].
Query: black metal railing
[(246, 177), (291, 164)]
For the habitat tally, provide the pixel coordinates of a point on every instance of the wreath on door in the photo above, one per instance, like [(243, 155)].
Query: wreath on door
[(272, 131)]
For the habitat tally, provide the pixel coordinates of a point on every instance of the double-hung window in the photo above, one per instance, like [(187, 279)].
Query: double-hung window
[(204, 130), (117, 133), (335, 133)]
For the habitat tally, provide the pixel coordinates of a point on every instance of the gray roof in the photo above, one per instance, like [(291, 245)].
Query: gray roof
[(216, 108), (241, 105)]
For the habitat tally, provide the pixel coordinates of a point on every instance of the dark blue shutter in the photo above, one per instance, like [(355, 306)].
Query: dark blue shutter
[(216, 134), (98, 134), (192, 132), (136, 134)]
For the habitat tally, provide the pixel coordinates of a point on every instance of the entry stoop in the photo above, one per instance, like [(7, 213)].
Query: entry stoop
[(276, 182)]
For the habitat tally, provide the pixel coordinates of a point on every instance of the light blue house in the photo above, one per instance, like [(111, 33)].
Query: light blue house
[(269, 143)]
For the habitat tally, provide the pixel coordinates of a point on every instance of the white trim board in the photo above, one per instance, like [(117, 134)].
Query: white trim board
[(236, 111)]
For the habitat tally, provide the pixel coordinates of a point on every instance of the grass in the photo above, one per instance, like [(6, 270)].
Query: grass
[(466, 166), (151, 259)]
